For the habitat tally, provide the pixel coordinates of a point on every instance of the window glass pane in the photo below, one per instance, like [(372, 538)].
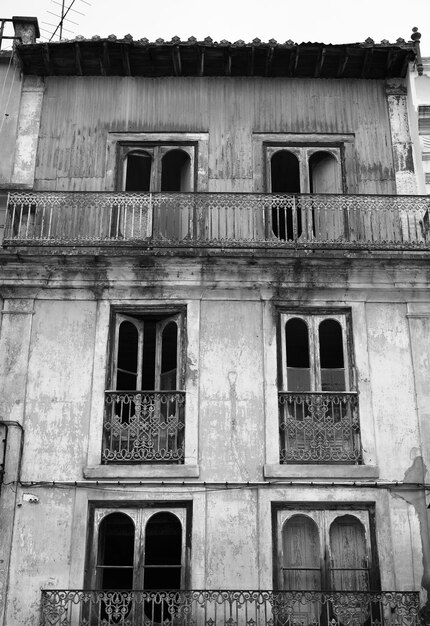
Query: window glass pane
[(331, 356), (176, 171), (116, 552), (297, 347), (163, 547), (349, 567), (138, 171)]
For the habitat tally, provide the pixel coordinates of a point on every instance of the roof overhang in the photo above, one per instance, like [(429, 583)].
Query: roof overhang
[(113, 57)]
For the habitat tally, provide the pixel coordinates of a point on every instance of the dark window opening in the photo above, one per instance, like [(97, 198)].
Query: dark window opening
[(138, 171), (127, 366), (116, 552), (285, 178), (163, 552), (331, 356), (176, 171), (297, 347), (155, 368)]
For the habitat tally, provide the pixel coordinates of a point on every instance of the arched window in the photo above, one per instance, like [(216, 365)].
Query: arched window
[(176, 171), (163, 552), (127, 368), (297, 355), (314, 353), (144, 418), (326, 549), (349, 567), (138, 166), (285, 178), (324, 173), (301, 566), (115, 554), (331, 356)]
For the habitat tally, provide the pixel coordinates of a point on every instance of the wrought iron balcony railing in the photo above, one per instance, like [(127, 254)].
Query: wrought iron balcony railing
[(229, 608), (144, 426), (217, 220), (319, 427)]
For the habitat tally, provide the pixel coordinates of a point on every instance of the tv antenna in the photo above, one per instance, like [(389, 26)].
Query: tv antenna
[(65, 7)]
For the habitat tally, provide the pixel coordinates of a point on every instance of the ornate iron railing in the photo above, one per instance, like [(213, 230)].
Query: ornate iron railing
[(229, 608), (144, 426), (217, 220), (321, 427)]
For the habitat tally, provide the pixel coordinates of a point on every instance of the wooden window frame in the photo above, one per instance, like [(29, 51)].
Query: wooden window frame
[(140, 512), (133, 314), (315, 317), (157, 150), (303, 152), (325, 513)]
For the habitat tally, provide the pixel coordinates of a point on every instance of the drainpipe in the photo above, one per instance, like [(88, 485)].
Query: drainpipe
[(9, 424)]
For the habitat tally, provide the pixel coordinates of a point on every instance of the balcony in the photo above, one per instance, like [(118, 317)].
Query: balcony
[(217, 220), (144, 427), (229, 608), (319, 427)]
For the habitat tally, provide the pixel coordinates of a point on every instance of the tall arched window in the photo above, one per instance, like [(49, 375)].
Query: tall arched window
[(115, 555), (349, 567), (301, 554), (176, 171), (324, 173), (163, 552), (144, 417), (297, 355), (285, 178), (331, 356)]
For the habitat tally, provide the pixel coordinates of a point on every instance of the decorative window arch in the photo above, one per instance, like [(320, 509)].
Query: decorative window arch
[(321, 548), (157, 167), (144, 420), (318, 402)]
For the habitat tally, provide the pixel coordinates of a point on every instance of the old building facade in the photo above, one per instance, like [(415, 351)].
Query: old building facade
[(214, 338)]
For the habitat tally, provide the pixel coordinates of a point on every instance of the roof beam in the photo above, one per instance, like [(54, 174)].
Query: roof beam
[(176, 60), (78, 60), (47, 58), (269, 59), (343, 63), (125, 59), (320, 62), (105, 60), (367, 62), (251, 61), (294, 60), (227, 62), (202, 62)]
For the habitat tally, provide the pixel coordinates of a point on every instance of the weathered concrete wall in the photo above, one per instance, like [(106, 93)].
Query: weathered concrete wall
[(47, 359)]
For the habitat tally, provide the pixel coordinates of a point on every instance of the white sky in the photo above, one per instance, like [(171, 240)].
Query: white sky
[(328, 21)]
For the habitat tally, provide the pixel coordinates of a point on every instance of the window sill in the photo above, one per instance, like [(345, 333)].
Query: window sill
[(321, 471), (142, 471)]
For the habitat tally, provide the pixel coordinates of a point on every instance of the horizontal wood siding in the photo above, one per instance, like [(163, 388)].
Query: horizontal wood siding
[(79, 112)]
